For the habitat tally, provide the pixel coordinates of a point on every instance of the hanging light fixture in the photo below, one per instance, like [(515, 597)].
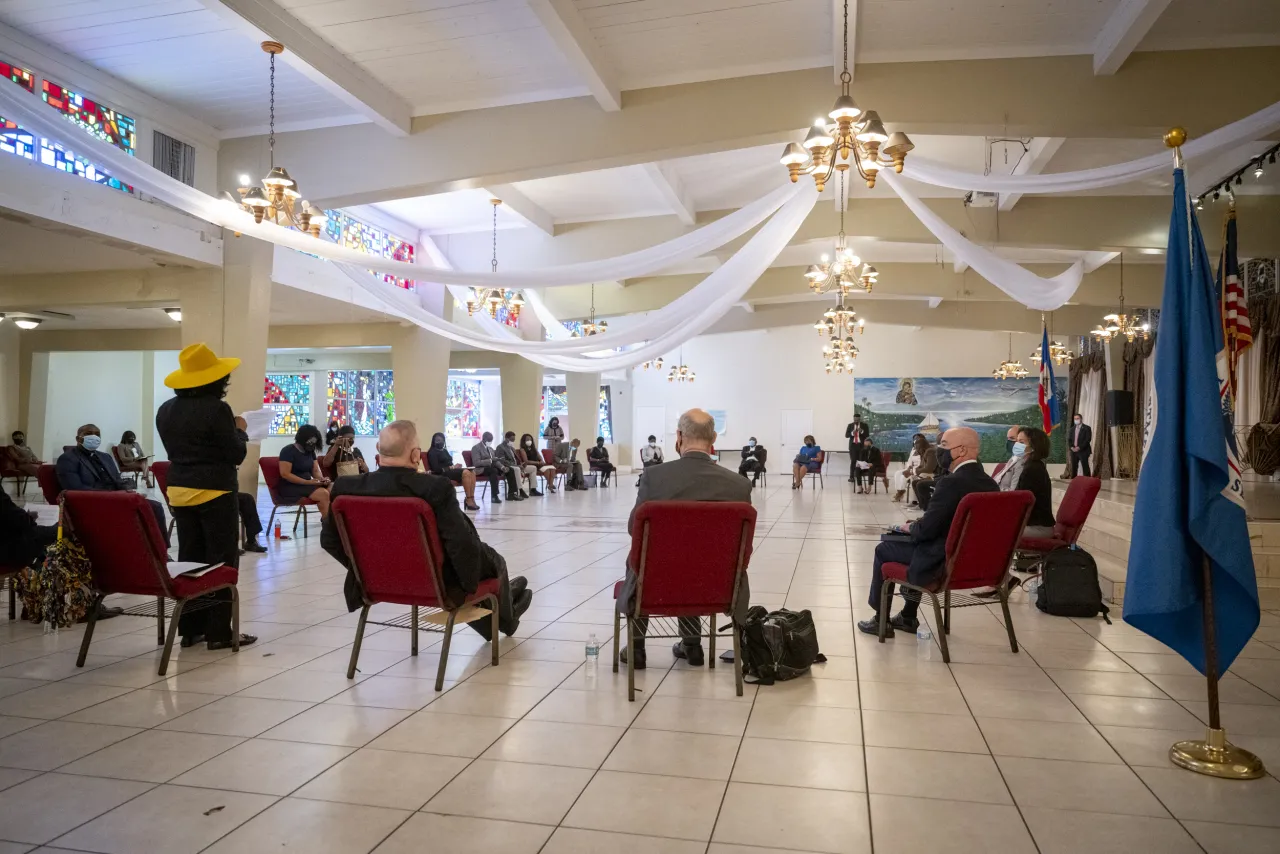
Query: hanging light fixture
[(845, 272), (175, 314), (591, 327), (846, 130), (680, 372), (278, 200), (493, 299), (1010, 369), (840, 320), (656, 364), (1113, 325), (1059, 353)]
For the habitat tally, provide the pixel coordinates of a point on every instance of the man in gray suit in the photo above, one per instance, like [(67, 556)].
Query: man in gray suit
[(567, 461), (692, 477)]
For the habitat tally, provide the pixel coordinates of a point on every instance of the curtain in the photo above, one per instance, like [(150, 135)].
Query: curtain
[(1262, 446), (1087, 395), (1139, 378)]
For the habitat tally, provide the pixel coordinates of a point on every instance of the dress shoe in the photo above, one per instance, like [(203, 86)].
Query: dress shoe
[(872, 627), (642, 660), (535, 493), (690, 653), (470, 505), (252, 546), (191, 640), (523, 495), (245, 640), (900, 622), (495, 500), (519, 604), (519, 584)]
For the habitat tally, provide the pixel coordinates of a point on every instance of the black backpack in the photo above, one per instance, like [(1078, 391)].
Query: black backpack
[(777, 645), (1069, 584)]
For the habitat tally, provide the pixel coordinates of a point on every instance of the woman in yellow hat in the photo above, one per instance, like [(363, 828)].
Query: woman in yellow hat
[(205, 442)]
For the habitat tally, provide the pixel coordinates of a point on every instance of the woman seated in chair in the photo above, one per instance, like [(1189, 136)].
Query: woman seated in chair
[(806, 462), (344, 453), (1027, 471), (923, 461), (440, 462), (132, 459), (532, 464), (599, 459), (300, 474)]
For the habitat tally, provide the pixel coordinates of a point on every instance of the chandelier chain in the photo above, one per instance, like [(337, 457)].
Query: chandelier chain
[(845, 77), (844, 202), (271, 138), (494, 263)]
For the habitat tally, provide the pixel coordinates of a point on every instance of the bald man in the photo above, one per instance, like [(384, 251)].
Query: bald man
[(692, 477), (925, 552), (467, 560)]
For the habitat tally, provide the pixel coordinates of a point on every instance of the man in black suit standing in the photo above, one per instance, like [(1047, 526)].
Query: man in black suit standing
[(692, 477), (1081, 446), (467, 560), (856, 433), (925, 553)]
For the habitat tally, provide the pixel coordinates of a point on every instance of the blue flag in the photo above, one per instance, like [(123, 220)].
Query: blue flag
[(1190, 499), (1049, 415)]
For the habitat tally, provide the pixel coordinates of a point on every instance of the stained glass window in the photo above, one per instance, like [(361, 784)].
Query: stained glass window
[(505, 316), (555, 403), (462, 409), (18, 75), (364, 399), (104, 123), (289, 396), (345, 229), (606, 415)]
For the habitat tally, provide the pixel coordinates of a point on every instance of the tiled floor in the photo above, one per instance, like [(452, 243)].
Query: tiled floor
[(1060, 748)]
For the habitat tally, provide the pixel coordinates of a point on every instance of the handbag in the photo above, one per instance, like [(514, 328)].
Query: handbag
[(347, 465)]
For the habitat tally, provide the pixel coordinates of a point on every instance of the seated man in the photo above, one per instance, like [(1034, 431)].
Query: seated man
[(251, 522), (753, 457), (598, 457), (692, 477), (567, 461), (925, 554), (488, 465), (467, 560), (505, 453), (85, 467), (868, 466), (28, 462), (1010, 439), (650, 455)]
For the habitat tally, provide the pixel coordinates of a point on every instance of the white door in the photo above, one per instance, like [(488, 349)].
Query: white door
[(651, 421), (796, 424)]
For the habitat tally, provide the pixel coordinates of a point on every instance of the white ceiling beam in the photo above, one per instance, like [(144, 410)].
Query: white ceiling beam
[(1039, 153), (561, 20), (959, 266), (837, 37), (1122, 32), (523, 207), (319, 61), (668, 183)]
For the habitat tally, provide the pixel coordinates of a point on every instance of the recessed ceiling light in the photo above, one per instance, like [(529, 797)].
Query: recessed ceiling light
[(27, 322), (175, 314)]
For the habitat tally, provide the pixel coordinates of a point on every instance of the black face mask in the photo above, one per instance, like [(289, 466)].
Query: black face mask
[(944, 459), (1008, 446), (311, 444)]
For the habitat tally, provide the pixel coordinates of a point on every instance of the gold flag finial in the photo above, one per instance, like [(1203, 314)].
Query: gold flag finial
[(1175, 137)]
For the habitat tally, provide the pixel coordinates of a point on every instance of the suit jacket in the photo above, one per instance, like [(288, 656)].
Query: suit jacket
[(1085, 443), (21, 539), (564, 454), (929, 532), (75, 471), (482, 456), (858, 436), (464, 554), (507, 454)]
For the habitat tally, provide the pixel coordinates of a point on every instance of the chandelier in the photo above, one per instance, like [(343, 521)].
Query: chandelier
[(656, 364), (1115, 325), (1009, 369), (278, 200), (1059, 354), (840, 354), (680, 372), (494, 299), (846, 130), (844, 272), (591, 327), (840, 320)]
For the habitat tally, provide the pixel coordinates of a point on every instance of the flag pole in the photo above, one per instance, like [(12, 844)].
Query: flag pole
[(1213, 756)]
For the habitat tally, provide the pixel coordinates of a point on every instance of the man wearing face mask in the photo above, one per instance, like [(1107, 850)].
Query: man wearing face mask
[(856, 433), (753, 458), (650, 455), (1010, 439), (567, 461), (27, 461), (598, 458), (467, 560), (925, 552), (86, 467), (1081, 446), (488, 465), (505, 454)]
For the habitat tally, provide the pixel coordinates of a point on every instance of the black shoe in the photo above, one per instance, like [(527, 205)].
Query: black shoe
[(642, 659), (495, 500), (872, 627), (104, 613), (245, 640), (533, 493), (691, 653), (252, 546), (470, 505), (523, 495), (519, 604), (191, 640), (519, 584), (900, 622)]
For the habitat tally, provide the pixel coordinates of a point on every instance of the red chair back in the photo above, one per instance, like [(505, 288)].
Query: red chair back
[(1073, 512), (160, 468), (984, 533), (821, 458), (688, 555), (885, 459), (47, 477), (466, 458), (115, 453), (8, 463), (327, 469), (548, 456), (394, 547), (270, 467), (120, 537)]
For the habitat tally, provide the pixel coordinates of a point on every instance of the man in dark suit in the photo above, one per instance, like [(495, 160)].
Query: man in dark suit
[(857, 434), (85, 467), (692, 477), (467, 560), (1081, 446), (925, 553)]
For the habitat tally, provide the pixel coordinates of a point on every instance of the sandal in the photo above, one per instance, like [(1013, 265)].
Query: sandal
[(245, 640)]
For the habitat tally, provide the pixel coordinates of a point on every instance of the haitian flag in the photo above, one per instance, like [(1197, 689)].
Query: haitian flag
[(1049, 412), (1190, 502)]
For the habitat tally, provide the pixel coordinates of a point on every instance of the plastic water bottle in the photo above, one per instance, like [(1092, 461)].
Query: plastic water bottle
[(923, 633), (593, 656)]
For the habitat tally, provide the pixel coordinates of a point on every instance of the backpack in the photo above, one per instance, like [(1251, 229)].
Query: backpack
[(1069, 584), (777, 645)]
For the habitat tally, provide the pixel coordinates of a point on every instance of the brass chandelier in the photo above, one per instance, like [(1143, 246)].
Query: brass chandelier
[(278, 200), (656, 364), (846, 130), (1115, 325), (1010, 369), (839, 324), (846, 272), (593, 327), (1059, 353), (493, 299), (680, 372)]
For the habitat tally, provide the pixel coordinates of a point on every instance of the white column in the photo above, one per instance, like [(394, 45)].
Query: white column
[(420, 360), (583, 391)]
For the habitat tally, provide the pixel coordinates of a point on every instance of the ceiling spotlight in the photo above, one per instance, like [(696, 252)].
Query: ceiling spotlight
[(1257, 170), (1215, 195), (1239, 180), (175, 314), (27, 322), (1200, 204)]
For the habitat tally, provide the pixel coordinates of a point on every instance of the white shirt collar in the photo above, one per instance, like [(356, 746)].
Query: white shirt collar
[(959, 466)]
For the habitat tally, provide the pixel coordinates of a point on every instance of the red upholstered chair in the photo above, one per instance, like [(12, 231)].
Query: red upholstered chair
[(395, 551), (160, 468), (549, 457), (47, 477), (689, 558), (1073, 512), (9, 468), (270, 467), (482, 482), (980, 545), (817, 475), (126, 551)]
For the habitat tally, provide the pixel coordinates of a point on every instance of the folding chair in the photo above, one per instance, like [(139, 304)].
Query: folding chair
[(689, 558), (160, 468), (395, 551), (270, 467), (979, 553), (1073, 512), (821, 459), (549, 458), (9, 468), (115, 454)]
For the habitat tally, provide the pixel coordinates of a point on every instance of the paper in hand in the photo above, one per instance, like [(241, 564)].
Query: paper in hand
[(257, 423)]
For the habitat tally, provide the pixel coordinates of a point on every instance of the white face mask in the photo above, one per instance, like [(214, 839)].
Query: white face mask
[(653, 444), (1077, 422)]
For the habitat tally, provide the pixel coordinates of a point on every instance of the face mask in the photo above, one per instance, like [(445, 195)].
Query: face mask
[(311, 443), (20, 440), (808, 444), (653, 444), (1019, 448), (1008, 446), (1077, 422), (752, 443), (438, 443), (92, 442), (944, 458)]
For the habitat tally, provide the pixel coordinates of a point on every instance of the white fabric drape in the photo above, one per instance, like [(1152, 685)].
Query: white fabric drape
[(1249, 388), (1091, 412), (1248, 129), (1148, 397), (1024, 286)]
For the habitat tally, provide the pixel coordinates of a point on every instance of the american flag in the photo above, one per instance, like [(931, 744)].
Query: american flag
[(1236, 331)]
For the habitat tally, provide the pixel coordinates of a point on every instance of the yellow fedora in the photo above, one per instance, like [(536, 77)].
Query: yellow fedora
[(199, 366)]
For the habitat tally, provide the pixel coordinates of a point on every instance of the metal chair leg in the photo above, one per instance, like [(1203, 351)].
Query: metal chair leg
[(631, 661), (1008, 621), (305, 517), (493, 629), (711, 642), (235, 619), (946, 612), (297, 517), (355, 647), (13, 598), (173, 632), (886, 598), (88, 629), (159, 621), (413, 630), (937, 619), (617, 632), (444, 650), (271, 521), (737, 658)]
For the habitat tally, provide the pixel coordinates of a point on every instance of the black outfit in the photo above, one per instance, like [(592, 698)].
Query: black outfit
[(753, 460), (865, 477), (598, 457), (926, 554), (467, 560), (95, 471), (205, 446), (1035, 479), (22, 541), (1080, 437), (857, 433), (303, 466), (248, 511), (923, 490), (440, 463)]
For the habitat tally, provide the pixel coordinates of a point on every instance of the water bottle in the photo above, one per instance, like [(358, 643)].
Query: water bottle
[(593, 656), (923, 633)]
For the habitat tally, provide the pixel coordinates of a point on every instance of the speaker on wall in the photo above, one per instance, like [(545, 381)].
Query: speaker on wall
[(1119, 408)]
